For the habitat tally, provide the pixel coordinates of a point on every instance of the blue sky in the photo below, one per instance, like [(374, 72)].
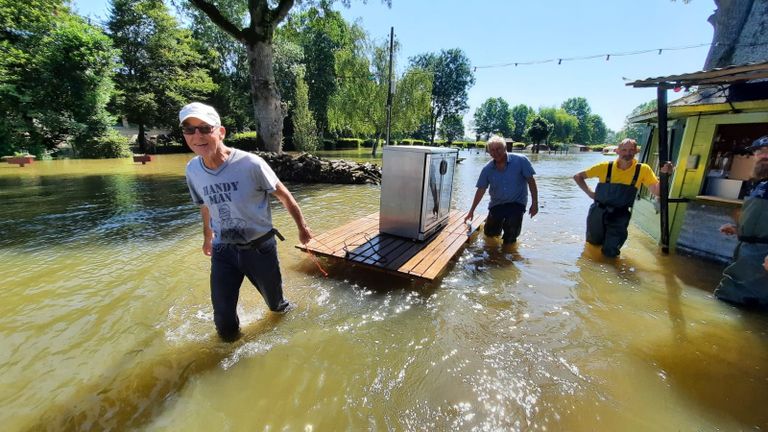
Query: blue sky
[(493, 32)]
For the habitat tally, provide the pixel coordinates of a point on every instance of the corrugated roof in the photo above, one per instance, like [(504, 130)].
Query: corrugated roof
[(726, 75)]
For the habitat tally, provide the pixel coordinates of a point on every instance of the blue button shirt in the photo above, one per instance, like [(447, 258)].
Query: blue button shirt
[(510, 185)]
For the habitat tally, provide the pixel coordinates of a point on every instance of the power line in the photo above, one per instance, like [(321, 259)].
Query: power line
[(607, 56)]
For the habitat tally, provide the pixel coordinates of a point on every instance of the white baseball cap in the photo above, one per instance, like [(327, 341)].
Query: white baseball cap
[(203, 112)]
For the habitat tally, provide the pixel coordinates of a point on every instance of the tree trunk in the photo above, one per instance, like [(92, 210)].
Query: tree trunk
[(268, 109), (142, 139)]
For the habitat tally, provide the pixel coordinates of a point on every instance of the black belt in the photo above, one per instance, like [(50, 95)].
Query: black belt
[(751, 239), (258, 242)]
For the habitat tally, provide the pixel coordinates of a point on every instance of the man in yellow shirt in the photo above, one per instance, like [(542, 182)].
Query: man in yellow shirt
[(614, 195)]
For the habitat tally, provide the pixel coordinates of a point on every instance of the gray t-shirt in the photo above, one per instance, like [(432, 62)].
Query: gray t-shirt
[(510, 185), (236, 194)]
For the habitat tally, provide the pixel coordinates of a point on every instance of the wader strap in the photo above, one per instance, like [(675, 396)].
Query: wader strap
[(634, 178), (637, 174)]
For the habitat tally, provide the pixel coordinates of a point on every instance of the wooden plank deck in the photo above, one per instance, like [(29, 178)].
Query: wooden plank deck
[(361, 243)]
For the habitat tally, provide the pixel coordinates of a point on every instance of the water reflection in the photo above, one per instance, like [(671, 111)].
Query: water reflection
[(105, 321)]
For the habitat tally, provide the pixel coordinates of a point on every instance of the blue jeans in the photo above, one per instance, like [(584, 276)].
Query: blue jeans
[(229, 265)]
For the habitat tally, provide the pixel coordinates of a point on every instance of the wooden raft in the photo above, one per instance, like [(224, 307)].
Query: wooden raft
[(361, 243)]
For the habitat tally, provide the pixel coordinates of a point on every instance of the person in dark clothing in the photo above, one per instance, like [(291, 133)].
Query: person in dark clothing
[(745, 281)]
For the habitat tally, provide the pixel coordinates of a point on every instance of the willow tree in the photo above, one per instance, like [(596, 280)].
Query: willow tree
[(257, 35)]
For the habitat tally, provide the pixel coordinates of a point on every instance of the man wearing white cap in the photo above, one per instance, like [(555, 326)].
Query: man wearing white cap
[(232, 188)]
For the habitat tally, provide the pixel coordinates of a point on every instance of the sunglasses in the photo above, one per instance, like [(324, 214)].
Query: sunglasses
[(204, 129)]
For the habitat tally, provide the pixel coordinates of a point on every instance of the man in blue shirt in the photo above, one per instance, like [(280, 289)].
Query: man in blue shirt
[(507, 175)]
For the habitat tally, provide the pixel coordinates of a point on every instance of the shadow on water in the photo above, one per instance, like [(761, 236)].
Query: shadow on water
[(345, 274), (706, 365), (134, 391), (55, 210)]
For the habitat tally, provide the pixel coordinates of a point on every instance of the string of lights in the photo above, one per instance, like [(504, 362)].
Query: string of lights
[(607, 56)]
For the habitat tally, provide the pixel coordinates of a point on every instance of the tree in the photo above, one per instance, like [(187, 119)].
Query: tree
[(73, 71), (257, 37), (493, 117), (451, 79), (538, 132), (359, 106), (160, 69), (597, 129), (228, 70), (634, 130), (564, 125), (452, 127), (579, 108), (519, 121), (321, 32), (22, 26), (304, 132), (55, 78)]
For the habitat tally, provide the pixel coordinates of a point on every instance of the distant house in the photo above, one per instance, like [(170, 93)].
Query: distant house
[(577, 148)]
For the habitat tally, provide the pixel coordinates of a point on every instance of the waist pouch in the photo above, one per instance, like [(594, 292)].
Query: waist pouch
[(258, 242)]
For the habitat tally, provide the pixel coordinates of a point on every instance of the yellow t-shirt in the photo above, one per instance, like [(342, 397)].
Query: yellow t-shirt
[(620, 176)]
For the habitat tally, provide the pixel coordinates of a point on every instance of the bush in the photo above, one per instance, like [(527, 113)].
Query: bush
[(244, 141), (109, 145), (329, 144), (369, 143), (597, 147), (348, 143), (518, 146), (410, 141)]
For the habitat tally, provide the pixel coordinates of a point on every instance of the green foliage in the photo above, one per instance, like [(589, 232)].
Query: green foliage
[(539, 130), (452, 127), (348, 143), (54, 78), (493, 117), (451, 79), (304, 131), (226, 62), (161, 69), (519, 121), (564, 125), (244, 141), (370, 142), (321, 32), (109, 145), (579, 108), (288, 59), (412, 142), (635, 130), (597, 129)]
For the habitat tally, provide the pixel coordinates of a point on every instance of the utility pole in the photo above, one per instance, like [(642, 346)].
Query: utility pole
[(661, 109), (389, 89)]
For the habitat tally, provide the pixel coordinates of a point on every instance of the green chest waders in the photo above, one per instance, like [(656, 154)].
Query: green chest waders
[(745, 281), (609, 215)]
